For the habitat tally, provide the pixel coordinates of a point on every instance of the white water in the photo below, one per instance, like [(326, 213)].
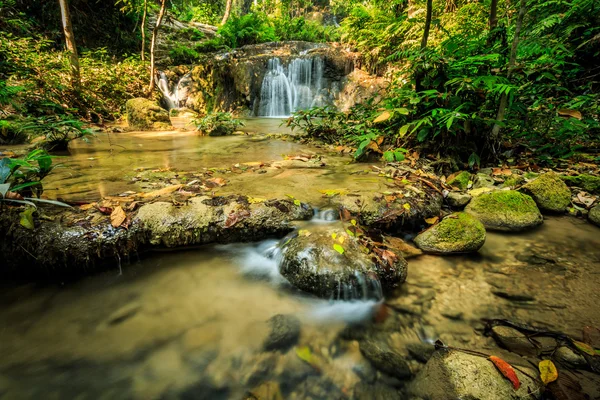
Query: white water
[(286, 89), (172, 97)]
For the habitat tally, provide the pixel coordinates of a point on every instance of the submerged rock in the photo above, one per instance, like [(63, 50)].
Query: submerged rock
[(594, 215), (460, 180), (285, 331), (549, 192), (330, 263), (384, 359), (456, 233), (513, 340), (505, 210), (146, 114), (458, 200), (454, 375)]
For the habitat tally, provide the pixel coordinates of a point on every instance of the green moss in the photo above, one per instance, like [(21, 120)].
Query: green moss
[(461, 180), (505, 200), (458, 233), (594, 215), (514, 180), (506, 210), (531, 175), (549, 192), (589, 183)]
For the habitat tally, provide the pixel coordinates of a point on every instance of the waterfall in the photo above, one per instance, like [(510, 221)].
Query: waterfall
[(172, 97), (288, 89)]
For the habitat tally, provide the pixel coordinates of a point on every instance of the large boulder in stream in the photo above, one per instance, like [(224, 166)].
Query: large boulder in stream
[(456, 233), (505, 210), (454, 375), (328, 262), (144, 114), (549, 192)]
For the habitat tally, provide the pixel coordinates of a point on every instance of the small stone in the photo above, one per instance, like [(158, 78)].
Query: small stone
[(421, 352), (565, 355), (549, 192), (513, 340), (457, 233), (384, 359), (458, 200), (285, 331), (483, 180), (594, 215)]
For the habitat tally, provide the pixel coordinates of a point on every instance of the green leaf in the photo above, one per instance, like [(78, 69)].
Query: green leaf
[(403, 130), (389, 156), (402, 111), (584, 347), (338, 248), (27, 218), (399, 156), (5, 168), (304, 354)]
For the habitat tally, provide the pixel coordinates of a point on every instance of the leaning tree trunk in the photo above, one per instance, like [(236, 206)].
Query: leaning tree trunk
[(493, 21), (495, 135), (161, 14), (427, 24), (227, 12), (144, 15), (71, 46)]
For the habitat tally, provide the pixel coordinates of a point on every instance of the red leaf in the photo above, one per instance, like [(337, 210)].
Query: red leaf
[(236, 217), (506, 370)]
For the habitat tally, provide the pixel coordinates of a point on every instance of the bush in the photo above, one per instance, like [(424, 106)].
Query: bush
[(251, 28), (183, 55), (218, 124)]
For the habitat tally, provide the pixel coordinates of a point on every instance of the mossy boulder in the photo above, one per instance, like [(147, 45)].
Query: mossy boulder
[(505, 210), (594, 215), (483, 180), (460, 180), (147, 114), (549, 192), (329, 263), (513, 181), (589, 183), (457, 233)]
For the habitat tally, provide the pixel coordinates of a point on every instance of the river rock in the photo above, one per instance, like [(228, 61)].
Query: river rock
[(146, 114), (594, 215), (377, 391), (590, 183), (460, 180), (454, 375), (329, 262), (483, 180), (565, 355), (549, 192), (456, 233), (513, 340), (458, 200), (384, 359), (285, 331), (505, 210)]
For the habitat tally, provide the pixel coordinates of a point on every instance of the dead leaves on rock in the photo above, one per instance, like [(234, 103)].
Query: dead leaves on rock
[(117, 217), (236, 216)]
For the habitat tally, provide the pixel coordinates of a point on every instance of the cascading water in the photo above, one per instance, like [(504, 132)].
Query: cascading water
[(295, 87), (172, 97)]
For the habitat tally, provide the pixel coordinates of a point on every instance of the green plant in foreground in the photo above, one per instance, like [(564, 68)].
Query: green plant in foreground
[(217, 124)]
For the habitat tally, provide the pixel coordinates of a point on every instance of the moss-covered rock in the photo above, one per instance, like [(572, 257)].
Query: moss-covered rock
[(328, 262), (589, 183), (513, 181), (549, 192), (505, 210), (457, 233), (594, 215), (146, 114), (460, 180), (483, 180)]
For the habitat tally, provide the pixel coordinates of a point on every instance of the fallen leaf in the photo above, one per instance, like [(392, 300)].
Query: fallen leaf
[(117, 217), (27, 218), (13, 196), (85, 207), (507, 370), (564, 112), (432, 220), (584, 347), (161, 192), (214, 182), (381, 314), (584, 199), (548, 372), (406, 206), (389, 257), (591, 336), (305, 354), (338, 248), (501, 171), (384, 116), (235, 217), (105, 210), (119, 199)]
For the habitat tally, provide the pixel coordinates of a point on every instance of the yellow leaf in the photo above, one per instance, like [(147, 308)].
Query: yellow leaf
[(569, 113), (548, 372), (353, 222), (334, 235), (341, 239), (254, 200), (117, 217), (406, 206), (304, 232), (161, 192), (432, 220), (384, 116), (338, 248)]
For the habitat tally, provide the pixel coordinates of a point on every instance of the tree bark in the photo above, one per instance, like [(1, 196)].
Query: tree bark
[(493, 21), (227, 12), (161, 14), (495, 136), (71, 46), (427, 24), (144, 15)]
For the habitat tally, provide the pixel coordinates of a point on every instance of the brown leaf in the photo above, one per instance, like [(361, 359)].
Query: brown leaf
[(235, 217), (584, 199), (119, 199), (85, 207), (299, 157), (345, 215), (507, 370), (214, 182), (584, 347), (382, 312), (161, 192), (564, 112), (105, 210), (117, 217), (13, 196), (591, 336), (501, 171)]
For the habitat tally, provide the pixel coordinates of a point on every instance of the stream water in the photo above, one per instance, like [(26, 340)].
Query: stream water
[(193, 324)]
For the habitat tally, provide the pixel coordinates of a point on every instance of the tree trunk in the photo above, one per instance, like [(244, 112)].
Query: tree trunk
[(227, 12), (493, 21), (495, 136), (427, 24), (71, 46), (144, 15), (161, 14)]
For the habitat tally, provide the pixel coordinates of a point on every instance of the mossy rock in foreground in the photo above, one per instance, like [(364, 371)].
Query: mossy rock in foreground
[(457, 233), (146, 114), (589, 183), (505, 210), (549, 192)]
